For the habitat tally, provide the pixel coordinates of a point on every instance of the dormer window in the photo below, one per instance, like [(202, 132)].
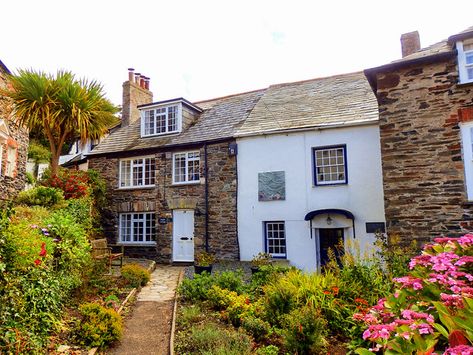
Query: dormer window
[(465, 61), (167, 117), (161, 120)]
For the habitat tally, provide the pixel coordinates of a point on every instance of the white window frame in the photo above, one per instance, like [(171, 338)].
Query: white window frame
[(187, 181), (267, 238), (1, 156), (11, 163), (132, 164), (178, 129), (466, 130), (462, 65), (137, 217), (318, 182)]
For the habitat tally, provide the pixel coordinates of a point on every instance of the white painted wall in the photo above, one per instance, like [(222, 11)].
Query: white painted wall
[(292, 153)]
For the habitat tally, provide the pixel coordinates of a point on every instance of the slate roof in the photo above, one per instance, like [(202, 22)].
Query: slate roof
[(220, 119), (4, 68), (331, 101)]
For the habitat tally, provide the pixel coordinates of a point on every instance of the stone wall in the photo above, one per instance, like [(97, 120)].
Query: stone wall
[(165, 197), (424, 184), (10, 186)]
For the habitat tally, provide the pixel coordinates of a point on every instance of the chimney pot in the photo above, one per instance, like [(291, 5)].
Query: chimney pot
[(131, 75), (147, 83), (142, 81), (410, 43), (137, 78)]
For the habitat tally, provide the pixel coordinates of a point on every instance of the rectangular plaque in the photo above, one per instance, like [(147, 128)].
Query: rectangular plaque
[(271, 186), (375, 227)]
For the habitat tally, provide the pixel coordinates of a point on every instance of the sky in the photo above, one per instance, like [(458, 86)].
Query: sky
[(203, 49)]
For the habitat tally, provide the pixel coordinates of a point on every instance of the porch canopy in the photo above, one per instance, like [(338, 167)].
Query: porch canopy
[(309, 216)]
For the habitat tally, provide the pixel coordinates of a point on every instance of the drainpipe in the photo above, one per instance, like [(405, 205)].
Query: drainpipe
[(206, 199)]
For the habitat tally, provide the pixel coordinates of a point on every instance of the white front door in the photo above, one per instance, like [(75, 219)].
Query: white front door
[(183, 235)]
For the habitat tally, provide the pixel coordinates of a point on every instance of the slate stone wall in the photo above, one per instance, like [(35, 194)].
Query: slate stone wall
[(10, 186), (165, 197), (424, 183)]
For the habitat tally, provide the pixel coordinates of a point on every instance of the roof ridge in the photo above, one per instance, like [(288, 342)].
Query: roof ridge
[(231, 95), (316, 79)]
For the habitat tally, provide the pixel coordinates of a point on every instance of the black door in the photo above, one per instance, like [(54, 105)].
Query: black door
[(331, 238)]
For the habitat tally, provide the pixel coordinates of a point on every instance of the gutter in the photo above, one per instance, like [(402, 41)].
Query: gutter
[(308, 128), (162, 148)]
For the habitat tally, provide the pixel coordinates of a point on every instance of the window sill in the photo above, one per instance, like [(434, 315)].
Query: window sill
[(331, 184), (160, 134), (147, 187), (465, 84), (130, 244), (186, 183)]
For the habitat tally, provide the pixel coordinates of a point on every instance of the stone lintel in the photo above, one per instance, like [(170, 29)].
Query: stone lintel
[(182, 203)]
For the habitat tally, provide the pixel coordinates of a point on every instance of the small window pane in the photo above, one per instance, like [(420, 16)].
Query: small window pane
[(330, 165), (275, 239)]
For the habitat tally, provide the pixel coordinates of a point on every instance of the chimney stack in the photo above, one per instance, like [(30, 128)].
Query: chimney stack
[(410, 43), (135, 92)]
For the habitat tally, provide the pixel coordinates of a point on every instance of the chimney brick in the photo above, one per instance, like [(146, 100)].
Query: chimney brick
[(410, 43), (133, 95)]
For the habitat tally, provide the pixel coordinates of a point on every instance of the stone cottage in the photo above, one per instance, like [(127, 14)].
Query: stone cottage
[(426, 124), (185, 177), (13, 146), (172, 174)]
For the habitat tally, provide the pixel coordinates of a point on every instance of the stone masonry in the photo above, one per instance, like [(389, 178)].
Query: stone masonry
[(164, 197), (424, 183), (18, 138)]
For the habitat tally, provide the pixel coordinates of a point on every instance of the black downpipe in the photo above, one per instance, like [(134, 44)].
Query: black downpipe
[(206, 200)]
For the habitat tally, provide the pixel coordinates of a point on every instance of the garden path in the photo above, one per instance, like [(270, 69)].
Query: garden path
[(148, 328)]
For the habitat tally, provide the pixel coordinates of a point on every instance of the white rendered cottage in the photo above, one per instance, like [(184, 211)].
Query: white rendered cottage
[(309, 170)]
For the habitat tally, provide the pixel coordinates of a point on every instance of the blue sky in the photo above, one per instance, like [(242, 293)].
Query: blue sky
[(204, 49)]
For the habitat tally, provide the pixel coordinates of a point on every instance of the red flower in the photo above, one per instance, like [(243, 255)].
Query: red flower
[(327, 292), (43, 251), (37, 262), (457, 337)]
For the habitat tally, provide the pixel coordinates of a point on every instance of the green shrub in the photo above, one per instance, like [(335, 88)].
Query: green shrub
[(30, 178), (212, 339), (305, 331), (41, 196), (38, 152), (136, 275), (196, 289), (81, 210), (99, 326), (256, 327), (189, 315), (230, 280), (268, 350)]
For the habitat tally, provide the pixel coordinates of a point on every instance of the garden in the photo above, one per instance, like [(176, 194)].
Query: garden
[(52, 291), (390, 302)]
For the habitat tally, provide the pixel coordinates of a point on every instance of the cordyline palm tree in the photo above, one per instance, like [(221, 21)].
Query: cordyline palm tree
[(61, 107)]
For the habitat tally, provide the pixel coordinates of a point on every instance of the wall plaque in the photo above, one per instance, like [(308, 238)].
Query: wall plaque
[(271, 186)]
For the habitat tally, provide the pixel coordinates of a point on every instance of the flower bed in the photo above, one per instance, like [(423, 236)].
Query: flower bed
[(431, 309)]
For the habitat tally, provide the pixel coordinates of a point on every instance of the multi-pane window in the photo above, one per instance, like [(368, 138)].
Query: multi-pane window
[(466, 129), (186, 167), (275, 236), (160, 120), (11, 162), (139, 228), (137, 172), (465, 61), (330, 165)]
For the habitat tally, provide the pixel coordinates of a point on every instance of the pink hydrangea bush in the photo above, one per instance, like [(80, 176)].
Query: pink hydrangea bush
[(431, 311)]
